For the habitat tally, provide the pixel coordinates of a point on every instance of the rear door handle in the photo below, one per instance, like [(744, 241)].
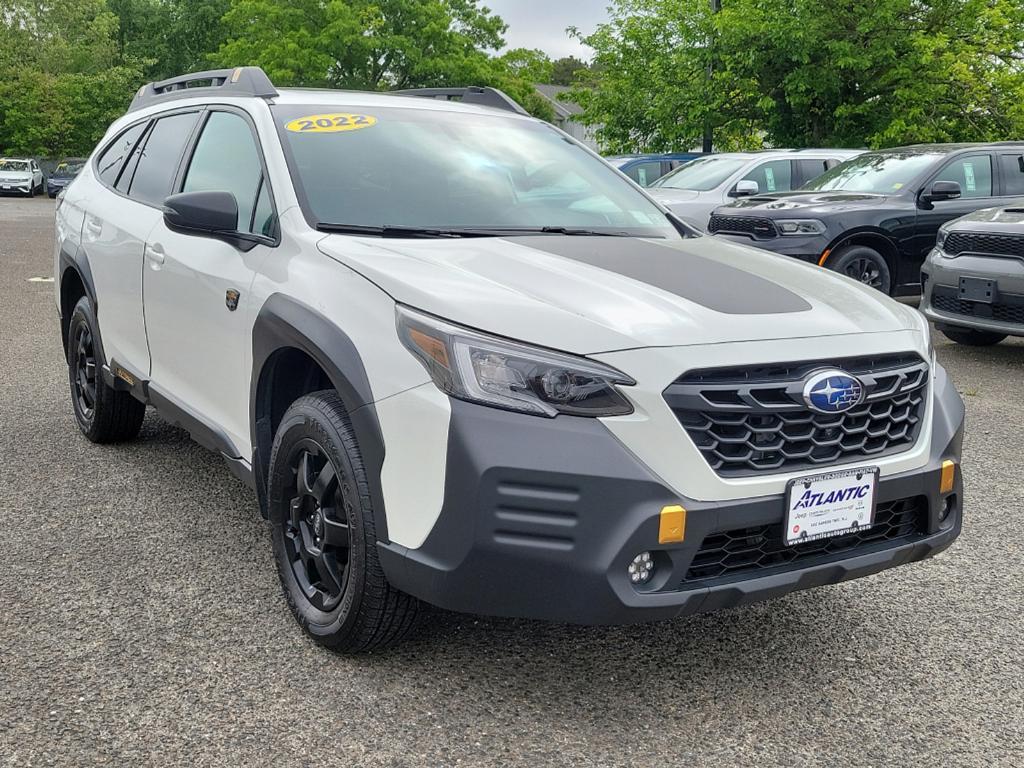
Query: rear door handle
[(155, 253)]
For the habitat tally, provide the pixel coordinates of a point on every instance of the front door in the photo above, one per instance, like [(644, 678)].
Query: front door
[(198, 312)]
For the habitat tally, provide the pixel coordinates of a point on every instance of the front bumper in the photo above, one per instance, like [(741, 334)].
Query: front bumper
[(807, 249), (15, 187), (53, 188), (940, 303), (541, 519)]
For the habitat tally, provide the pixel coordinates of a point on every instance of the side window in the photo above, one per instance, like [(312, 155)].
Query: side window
[(109, 163), (973, 173), (226, 159), (160, 156), (263, 213), (774, 176), (124, 181), (810, 169), (644, 173), (1013, 174)]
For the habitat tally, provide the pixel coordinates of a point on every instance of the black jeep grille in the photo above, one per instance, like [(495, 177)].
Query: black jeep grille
[(742, 225), (1009, 308), (746, 421), (974, 242), (759, 551)]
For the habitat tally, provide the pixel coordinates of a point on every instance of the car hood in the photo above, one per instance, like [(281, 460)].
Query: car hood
[(1006, 219), (818, 203), (601, 294), (668, 195)]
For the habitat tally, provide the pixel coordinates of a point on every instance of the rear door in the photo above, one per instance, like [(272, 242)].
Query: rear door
[(1011, 167), (136, 173), (198, 310)]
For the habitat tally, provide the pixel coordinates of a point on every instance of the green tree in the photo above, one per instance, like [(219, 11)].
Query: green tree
[(529, 64), (565, 69), (61, 79), (807, 72)]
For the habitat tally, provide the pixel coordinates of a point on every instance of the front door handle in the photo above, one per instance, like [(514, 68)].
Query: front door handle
[(95, 226), (155, 253)]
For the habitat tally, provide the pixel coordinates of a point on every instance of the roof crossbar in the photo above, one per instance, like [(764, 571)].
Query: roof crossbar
[(240, 81), (473, 94)]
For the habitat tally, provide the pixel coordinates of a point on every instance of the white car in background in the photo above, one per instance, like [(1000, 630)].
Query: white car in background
[(20, 176), (695, 189)]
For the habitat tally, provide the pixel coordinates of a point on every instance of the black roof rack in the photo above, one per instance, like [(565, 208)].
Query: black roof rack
[(473, 94), (240, 81)]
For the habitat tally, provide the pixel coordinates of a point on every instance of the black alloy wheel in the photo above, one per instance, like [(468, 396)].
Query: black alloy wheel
[(316, 529), (83, 370), (863, 264)]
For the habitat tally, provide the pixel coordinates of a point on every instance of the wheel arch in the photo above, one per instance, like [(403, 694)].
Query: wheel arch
[(876, 239), (296, 350), (75, 282)]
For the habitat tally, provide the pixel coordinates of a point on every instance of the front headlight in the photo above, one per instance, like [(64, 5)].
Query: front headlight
[(800, 227), (940, 238), (505, 374)]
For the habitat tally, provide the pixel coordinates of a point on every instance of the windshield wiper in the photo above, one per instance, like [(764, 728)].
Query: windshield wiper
[(389, 230)]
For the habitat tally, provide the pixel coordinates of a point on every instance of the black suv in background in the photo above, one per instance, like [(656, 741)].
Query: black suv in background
[(875, 217), (973, 279)]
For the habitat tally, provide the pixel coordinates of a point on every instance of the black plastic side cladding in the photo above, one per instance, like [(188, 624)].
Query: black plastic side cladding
[(282, 324)]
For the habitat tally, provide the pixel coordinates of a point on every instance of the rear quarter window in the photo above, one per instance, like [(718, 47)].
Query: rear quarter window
[(161, 155)]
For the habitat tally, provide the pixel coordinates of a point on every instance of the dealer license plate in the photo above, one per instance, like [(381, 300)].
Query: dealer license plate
[(831, 504)]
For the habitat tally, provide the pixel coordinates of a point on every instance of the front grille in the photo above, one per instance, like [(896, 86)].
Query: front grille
[(746, 421), (975, 242), (1009, 308), (759, 551), (761, 229)]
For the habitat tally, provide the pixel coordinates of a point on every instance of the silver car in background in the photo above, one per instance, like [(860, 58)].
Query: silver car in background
[(695, 189)]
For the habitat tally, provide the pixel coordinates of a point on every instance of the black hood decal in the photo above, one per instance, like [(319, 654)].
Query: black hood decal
[(705, 281)]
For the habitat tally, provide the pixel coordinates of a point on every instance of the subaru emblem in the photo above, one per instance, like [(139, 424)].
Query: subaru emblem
[(832, 391)]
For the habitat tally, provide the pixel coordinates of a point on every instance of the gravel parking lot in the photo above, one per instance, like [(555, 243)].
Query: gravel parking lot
[(141, 621)]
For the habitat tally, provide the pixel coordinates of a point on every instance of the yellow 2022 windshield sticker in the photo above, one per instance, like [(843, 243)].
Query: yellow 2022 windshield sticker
[(333, 122)]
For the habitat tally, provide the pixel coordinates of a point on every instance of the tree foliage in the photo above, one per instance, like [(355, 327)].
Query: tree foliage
[(807, 72)]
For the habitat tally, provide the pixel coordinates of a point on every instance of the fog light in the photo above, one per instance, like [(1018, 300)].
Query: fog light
[(641, 569), (947, 507)]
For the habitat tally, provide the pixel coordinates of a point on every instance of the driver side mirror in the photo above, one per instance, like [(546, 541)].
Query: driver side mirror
[(942, 190), (208, 214), (745, 188)]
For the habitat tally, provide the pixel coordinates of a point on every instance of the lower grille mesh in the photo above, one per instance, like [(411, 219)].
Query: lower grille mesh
[(751, 552)]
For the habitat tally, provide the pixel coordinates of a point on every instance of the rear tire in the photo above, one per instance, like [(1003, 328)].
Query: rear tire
[(863, 264), (104, 415), (324, 539), (971, 337)]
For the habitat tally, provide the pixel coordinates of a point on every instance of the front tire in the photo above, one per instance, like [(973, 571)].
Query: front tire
[(863, 264), (971, 337), (104, 415), (324, 539)]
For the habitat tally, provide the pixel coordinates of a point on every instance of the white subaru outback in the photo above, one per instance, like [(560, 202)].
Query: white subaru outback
[(464, 362)]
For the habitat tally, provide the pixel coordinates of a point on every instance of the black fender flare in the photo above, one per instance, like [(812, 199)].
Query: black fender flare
[(78, 262), (283, 323)]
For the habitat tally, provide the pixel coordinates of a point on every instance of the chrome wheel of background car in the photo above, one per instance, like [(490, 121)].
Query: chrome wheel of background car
[(316, 529), (84, 370)]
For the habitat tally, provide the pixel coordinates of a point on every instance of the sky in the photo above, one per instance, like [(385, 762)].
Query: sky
[(542, 23)]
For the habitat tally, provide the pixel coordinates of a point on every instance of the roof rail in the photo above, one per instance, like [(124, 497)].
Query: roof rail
[(239, 81), (473, 94)]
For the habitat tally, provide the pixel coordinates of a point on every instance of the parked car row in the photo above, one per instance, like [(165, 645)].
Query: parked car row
[(942, 220), (24, 176)]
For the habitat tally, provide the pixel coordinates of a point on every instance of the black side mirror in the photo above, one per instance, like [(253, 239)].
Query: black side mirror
[(202, 213), (942, 190), (209, 214)]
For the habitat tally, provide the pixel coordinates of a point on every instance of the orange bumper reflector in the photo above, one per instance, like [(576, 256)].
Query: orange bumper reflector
[(821, 261), (948, 476), (673, 525)]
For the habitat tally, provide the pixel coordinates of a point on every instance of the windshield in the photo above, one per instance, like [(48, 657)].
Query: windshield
[(69, 168), (428, 168), (702, 174), (13, 165), (882, 173)]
